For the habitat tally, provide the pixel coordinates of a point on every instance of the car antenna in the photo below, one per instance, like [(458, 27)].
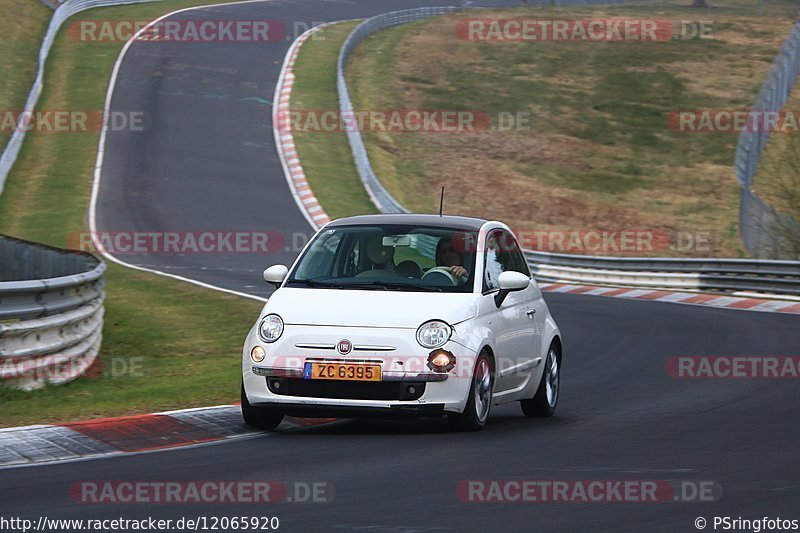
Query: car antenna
[(441, 202)]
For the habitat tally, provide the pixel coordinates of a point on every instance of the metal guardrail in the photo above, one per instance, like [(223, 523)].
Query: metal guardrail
[(377, 192), (781, 277), (51, 300), (765, 232), (60, 15), (51, 313)]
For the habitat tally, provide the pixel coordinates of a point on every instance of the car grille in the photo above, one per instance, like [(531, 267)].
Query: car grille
[(346, 390)]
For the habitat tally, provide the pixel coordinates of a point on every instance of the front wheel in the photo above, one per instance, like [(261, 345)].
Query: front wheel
[(479, 401), (544, 402), (259, 417)]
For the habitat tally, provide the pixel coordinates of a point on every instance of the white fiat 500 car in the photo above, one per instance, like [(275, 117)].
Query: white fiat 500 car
[(421, 315)]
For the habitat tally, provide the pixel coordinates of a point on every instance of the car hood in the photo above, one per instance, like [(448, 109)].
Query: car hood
[(369, 308)]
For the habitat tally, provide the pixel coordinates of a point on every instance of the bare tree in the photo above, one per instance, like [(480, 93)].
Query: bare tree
[(783, 190)]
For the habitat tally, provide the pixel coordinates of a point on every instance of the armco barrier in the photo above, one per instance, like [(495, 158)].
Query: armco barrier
[(61, 14), (51, 313), (781, 277), (51, 301), (748, 275)]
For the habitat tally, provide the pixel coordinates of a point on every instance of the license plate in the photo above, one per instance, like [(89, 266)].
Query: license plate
[(342, 371)]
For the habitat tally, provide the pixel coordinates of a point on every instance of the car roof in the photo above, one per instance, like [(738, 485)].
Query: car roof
[(444, 221)]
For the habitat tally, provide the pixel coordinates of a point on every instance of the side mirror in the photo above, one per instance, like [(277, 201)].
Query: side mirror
[(510, 281), (276, 274)]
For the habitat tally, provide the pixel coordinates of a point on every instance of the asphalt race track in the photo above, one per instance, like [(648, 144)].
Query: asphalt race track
[(209, 162), (620, 417), (206, 160)]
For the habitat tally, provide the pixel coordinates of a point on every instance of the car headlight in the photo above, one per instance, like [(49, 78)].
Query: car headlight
[(434, 333), (270, 328)]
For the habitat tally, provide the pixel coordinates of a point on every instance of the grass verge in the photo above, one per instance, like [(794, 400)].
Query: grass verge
[(166, 344), (326, 157), (599, 154), (22, 25)]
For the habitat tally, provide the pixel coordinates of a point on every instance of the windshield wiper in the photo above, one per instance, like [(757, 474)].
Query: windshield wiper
[(388, 285), (313, 283)]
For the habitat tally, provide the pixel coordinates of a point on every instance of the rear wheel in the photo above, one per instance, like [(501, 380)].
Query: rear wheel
[(479, 401), (545, 400), (259, 417)]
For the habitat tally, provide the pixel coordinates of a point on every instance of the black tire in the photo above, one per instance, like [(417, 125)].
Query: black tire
[(543, 404), (472, 419), (259, 417)]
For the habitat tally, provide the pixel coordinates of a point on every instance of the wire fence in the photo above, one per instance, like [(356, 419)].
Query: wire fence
[(765, 232)]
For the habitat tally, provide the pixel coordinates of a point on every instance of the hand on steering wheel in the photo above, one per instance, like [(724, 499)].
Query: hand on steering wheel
[(458, 271)]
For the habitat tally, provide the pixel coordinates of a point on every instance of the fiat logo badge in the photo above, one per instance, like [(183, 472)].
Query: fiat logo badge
[(344, 346)]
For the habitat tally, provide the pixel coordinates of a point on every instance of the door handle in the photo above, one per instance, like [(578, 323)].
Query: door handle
[(530, 312)]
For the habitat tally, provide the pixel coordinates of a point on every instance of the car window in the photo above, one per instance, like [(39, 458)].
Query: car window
[(421, 251), (388, 257), (501, 254), (493, 262), (516, 258), (321, 257)]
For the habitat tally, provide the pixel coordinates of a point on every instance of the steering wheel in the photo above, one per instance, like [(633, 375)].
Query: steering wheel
[(441, 271)]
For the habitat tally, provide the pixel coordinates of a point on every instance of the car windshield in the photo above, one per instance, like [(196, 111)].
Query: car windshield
[(389, 257)]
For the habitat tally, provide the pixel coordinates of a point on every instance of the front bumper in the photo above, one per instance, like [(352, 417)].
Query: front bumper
[(314, 410), (407, 388), (292, 373)]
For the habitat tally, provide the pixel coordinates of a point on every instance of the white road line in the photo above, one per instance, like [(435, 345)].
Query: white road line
[(99, 163)]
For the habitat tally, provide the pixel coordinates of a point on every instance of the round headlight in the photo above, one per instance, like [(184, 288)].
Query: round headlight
[(257, 354), (270, 328), (434, 334)]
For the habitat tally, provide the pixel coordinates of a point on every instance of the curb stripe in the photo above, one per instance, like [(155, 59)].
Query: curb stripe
[(143, 432), (304, 197), (711, 300), (32, 445)]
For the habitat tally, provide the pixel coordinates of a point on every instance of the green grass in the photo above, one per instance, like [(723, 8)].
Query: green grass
[(166, 345), (600, 154), (326, 157), (22, 24), (185, 341)]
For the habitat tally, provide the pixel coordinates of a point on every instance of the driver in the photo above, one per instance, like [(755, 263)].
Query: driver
[(448, 256)]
